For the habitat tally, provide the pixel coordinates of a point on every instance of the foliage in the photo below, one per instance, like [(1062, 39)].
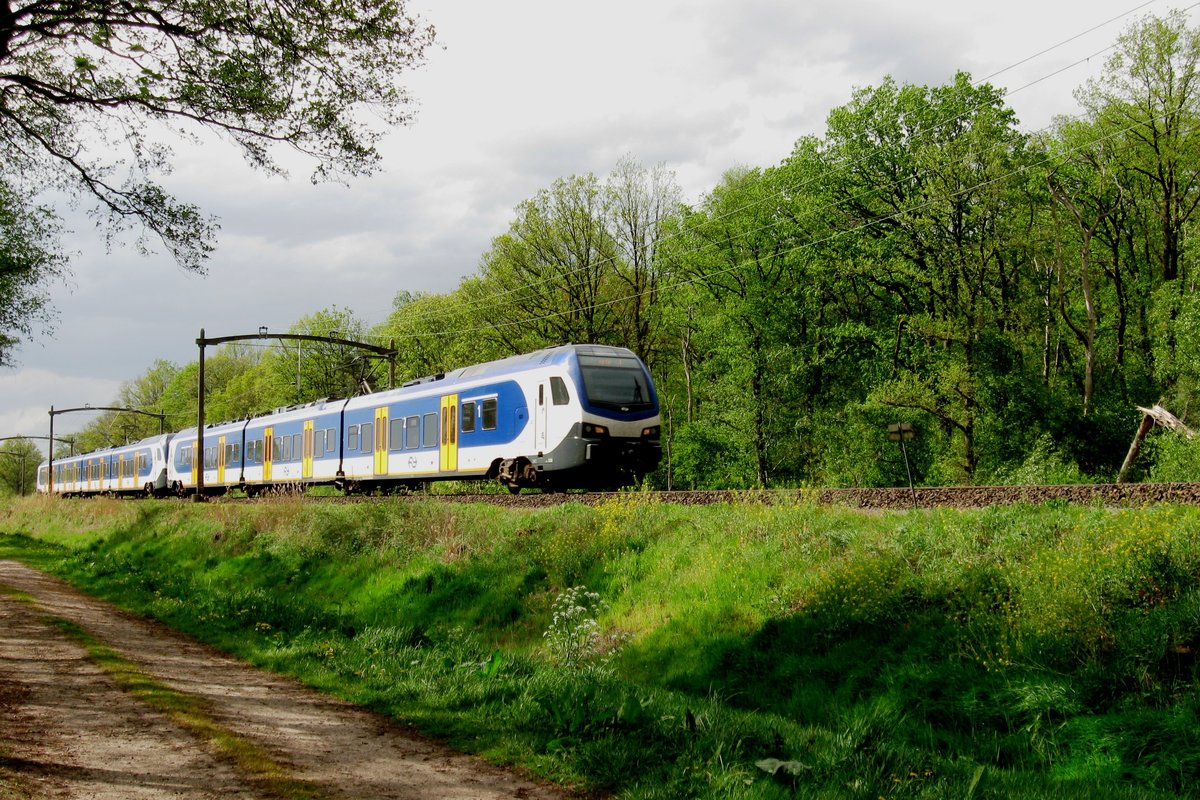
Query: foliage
[(29, 261), (315, 370), (19, 459), (1176, 459), (97, 77)]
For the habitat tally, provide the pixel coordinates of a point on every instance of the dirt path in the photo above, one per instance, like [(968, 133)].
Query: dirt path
[(67, 730)]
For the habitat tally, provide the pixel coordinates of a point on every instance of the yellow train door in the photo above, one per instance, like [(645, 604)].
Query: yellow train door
[(306, 465), (220, 459), (449, 445), (268, 452), (381, 441)]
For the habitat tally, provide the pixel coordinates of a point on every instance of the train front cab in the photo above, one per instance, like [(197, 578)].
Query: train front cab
[(618, 436), (594, 422)]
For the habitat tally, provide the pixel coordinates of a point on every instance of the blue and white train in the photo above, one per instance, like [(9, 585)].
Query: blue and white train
[(575, 416)]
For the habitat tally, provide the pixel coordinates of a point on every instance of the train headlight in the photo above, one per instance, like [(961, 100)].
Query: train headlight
[(652, 432), (594, 430)]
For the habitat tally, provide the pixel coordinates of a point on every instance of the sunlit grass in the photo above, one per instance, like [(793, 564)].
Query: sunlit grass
[(1010, 652)]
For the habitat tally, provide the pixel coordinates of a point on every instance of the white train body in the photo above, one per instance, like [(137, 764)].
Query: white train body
[(570, 416), (139, 468)]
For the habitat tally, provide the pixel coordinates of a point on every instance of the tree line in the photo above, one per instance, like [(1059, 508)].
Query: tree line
[(1012, 295)]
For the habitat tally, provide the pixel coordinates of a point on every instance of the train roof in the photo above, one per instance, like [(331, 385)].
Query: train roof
[(149, 441), (526, 361)]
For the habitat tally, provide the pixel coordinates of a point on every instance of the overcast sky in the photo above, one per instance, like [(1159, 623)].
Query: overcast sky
[(520, 94)]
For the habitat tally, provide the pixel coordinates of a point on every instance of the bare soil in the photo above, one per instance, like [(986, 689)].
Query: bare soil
[(68, 731)]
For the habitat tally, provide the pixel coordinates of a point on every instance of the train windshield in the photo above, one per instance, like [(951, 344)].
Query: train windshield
[(615, 382)]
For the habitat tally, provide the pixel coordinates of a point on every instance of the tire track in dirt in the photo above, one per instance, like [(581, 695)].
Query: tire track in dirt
[(70, 732), (67, 730)]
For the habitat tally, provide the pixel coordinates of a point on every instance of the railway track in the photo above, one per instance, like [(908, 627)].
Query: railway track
[(1107, 495)]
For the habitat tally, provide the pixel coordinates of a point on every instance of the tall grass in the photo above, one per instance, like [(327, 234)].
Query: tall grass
[(749, 650)]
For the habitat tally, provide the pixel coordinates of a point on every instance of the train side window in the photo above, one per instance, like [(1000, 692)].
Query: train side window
[(429, 436), (352, 437), (285, 448), (237, 453), (330, 440), (412, 433), (468, 416), (396, 434), (488, 415), (297, 445), (318, 447), (229, 453), (367, 441), (558, 391), (541, 394)]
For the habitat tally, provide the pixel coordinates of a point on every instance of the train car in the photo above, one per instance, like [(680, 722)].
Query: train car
[(224, 448), (290, 446), (295, 446), (138, 468), (564, 417)]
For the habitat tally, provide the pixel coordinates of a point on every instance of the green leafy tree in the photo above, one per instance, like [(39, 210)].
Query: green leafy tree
[(29, 262), (1082, 182), (928, 179), (1148, 101), (317, 370), (642, 202), (548, 275), (19, 459), (87, 86), (740, 261), (439, 332), (579, 263)]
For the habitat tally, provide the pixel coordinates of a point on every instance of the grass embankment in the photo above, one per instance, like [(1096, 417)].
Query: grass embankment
[(1023, 652)]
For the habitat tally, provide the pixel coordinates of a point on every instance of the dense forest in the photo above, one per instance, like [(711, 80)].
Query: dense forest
[(1013, 295)]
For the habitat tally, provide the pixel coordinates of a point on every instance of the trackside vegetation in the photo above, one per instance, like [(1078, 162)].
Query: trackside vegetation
[(765, 649)]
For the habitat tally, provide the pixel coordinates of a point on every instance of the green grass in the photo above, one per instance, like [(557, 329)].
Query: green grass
[(1007, 653)]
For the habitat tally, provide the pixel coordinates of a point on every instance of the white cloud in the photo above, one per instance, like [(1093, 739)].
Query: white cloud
[(26, 411)]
